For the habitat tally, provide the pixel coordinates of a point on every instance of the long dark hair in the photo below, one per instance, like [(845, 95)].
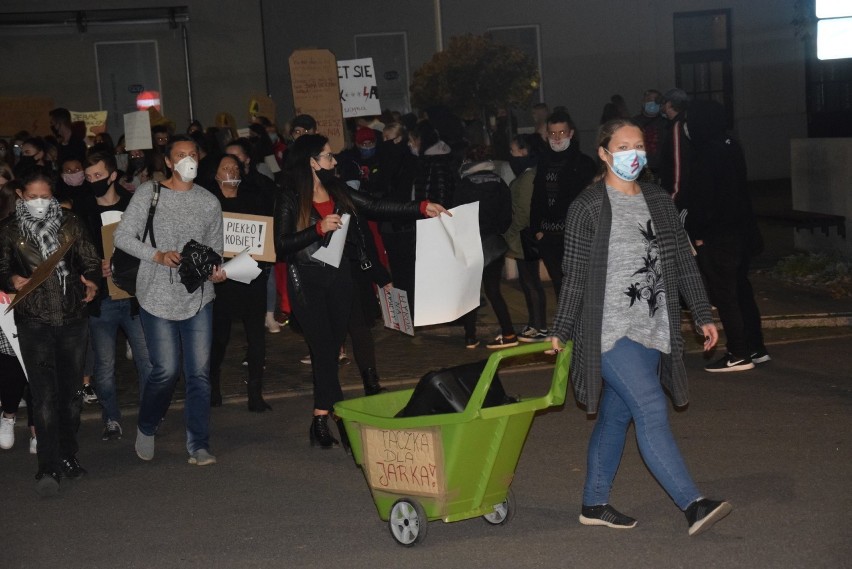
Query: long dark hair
[(301, 176)]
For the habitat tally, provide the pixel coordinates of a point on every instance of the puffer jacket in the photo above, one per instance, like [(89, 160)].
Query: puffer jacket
[(435, 178), (296, 247), (47, 304)]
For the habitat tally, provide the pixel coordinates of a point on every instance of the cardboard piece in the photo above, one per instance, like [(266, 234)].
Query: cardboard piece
[(96, 121), (359, 95), (316, 92), (396, 311), (254, 232), (404, 461), (137, 131), (107, 234), (42, 272), (262, 105), (25, 113)]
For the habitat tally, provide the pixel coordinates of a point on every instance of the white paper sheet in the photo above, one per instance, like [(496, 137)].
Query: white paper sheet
[(242, 268), (137, 131), (110, 217), (7, 324), (334, 252), (448, 268), (395, 310)]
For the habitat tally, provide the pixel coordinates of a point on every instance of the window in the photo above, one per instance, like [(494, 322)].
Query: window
[(834, 28), (702, 42), (390, 58), (828, 70)]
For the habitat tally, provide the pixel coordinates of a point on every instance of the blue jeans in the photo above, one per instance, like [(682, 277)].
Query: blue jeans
[(167, 341), (632, 391), (54, 358), (103, 330)]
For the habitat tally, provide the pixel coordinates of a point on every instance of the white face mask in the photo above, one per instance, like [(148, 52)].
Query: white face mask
[(187, 168), (560, 146), (37, 207)]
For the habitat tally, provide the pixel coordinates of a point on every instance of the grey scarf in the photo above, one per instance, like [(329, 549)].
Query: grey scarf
[(44, 232)]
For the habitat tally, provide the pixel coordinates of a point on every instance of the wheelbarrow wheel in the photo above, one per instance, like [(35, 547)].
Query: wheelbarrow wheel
[(408, 523), (503, 512)]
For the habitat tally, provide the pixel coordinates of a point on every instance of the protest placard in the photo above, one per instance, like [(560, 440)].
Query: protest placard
[(137, 131), (25, 113), (262, 106), (395, 310), (96, 121), (316, 92), (359, 95), (249, 231), (405, 461)]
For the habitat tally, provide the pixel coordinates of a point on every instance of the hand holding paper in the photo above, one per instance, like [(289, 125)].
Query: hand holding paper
[(242, 268)]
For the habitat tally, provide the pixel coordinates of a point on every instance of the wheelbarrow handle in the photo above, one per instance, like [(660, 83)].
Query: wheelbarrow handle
[(558, 385)]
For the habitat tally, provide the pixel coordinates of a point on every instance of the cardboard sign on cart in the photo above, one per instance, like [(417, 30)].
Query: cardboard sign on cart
[(249, 231), (404, 461)]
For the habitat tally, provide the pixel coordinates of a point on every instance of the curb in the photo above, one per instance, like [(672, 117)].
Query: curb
[(819, 320)]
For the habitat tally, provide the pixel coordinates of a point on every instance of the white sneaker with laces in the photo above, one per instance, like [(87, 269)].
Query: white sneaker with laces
[(7, 431)]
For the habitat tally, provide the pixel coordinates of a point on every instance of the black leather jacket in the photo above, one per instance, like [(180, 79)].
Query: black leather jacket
[(47, 304), (296, 247)]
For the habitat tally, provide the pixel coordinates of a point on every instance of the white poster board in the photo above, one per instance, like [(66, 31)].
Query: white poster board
[(448, 267), (359, 95), (137, 131)]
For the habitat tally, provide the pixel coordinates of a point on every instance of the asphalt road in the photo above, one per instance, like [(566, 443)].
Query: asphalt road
[(775, 442)]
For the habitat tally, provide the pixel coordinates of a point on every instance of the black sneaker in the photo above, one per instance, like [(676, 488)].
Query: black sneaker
[(760, 357), (71, 469), (703, 513), (112, 431), (471, 342), (729, 363), (47, 483), (607, 516), (89, 395)]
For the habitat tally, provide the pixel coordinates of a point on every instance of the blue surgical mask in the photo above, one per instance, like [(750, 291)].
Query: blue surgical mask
[(652, 108), (367, 153), (627, 164)]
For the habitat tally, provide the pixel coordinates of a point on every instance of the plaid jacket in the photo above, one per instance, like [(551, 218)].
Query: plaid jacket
[(579, 314)]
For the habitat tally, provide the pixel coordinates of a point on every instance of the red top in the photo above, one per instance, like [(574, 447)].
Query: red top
[(324, 209)]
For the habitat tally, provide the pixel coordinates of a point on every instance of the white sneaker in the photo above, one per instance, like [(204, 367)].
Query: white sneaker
[(271, 325), (33, 445), (129, 353), (7, 432)]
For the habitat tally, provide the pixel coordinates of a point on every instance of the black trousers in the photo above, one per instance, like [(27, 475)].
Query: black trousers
[(725, 265), (13, 386), (491, 276), (401, 247), (54, 357), (536, 301), (551, 248), (322, 306), (246, 302), (361, 320)]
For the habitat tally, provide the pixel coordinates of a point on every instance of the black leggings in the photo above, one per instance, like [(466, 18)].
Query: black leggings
[(551, 249), (536, 301), (13, 386), (491, 277), (322, 306)]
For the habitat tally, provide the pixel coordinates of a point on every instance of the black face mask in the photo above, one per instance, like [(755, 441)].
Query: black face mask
[(26, 162), (325, 175), (137, 164), (100, 188)]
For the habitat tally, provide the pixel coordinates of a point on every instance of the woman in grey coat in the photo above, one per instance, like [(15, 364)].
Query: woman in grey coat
[(627, 261)]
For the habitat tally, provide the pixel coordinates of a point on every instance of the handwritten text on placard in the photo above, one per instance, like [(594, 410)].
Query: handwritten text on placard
[(249, 231), (404, 460)]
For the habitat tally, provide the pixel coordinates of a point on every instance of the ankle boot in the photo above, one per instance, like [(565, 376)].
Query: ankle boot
[(371, 382), (256, 403), (321, 434)]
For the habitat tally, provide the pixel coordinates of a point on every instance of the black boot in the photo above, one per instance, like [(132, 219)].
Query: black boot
[(321, 434), (256, 403), (371, 382)]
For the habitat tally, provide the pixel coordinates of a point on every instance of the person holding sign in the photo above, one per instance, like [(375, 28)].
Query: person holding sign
[(321, 295), (51, 316), (235, 299), (178, 324), (627, 263)]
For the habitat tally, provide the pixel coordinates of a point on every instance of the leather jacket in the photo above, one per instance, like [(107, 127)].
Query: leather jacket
[(48, 304), (296, 247)]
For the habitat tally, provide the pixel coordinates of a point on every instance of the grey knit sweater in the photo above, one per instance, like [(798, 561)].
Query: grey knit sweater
[(180, 217)]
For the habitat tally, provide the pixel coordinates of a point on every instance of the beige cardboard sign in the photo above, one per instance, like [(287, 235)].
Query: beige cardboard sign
[(316, 92), (262, 106), (404, 461), (107, 234), (253, 231), (25, 113), (95, 121)]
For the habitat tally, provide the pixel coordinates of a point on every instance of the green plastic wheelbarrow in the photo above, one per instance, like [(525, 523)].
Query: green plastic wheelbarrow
[(452, 466)]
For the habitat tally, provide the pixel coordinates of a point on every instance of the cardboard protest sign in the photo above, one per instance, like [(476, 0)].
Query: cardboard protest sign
[(249, 231), (42, 272), (404, 461), (25, 113), (137, 131), (395, 310), (107, 235), (313, 74), (262, 106), (359, 95), (96, 121)]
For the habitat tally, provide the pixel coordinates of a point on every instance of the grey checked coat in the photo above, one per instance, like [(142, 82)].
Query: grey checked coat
[(580, 311)]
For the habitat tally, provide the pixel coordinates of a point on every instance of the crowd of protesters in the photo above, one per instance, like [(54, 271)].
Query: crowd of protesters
[(542, 206)]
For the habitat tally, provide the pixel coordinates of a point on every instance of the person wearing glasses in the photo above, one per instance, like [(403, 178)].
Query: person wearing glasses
[(563, 171), (321, 295)]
